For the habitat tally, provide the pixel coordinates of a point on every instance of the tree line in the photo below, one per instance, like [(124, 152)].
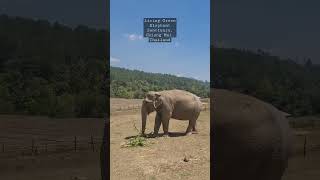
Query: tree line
[(127, 83), (51, 69), (55, 70)]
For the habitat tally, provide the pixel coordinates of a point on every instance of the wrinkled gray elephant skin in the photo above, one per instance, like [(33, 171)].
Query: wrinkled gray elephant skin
[(251, 138)]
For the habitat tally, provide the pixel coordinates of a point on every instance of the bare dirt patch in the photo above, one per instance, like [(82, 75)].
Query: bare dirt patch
[(305, 167), (174, 157), (60, 162)]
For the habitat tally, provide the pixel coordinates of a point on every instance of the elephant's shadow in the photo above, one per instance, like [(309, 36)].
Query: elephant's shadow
[(171, 134)]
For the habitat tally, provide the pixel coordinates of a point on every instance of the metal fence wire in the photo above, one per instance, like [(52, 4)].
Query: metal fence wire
[(36, 146)]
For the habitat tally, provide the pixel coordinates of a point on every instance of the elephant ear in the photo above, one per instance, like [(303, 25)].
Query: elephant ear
[(157, 95), (149, 97)]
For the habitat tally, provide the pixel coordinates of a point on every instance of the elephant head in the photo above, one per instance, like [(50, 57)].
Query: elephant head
[(151, 102)]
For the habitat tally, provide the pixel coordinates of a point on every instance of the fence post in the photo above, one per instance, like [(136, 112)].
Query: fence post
[(36, 150), (46, 147), (75, 144), (92, 143), (32, 146), (305, 147)]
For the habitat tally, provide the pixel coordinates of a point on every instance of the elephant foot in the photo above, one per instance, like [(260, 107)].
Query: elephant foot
[(153, 135), (194, 132), (165, 135), (188, 133), (191, 132)]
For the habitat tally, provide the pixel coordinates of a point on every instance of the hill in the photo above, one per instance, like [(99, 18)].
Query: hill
[(51, 69), (127, 83)]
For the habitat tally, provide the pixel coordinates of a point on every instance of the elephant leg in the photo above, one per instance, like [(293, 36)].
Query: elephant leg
[(157, 124), (190, 127), (194, 129), (271, 170), (165, 124)]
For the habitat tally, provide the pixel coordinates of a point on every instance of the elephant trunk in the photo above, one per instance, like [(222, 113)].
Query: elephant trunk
[(144, 114)]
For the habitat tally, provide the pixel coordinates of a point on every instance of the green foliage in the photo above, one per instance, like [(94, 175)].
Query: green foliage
[(134, 84), (136, 141), (292, 87), (50, 69)]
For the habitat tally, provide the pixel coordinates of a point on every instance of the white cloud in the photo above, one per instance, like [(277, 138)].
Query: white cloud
[(114, 60), (133, 37), (179, 75)]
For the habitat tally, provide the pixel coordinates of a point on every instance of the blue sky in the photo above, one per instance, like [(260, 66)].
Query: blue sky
[(189, 53)]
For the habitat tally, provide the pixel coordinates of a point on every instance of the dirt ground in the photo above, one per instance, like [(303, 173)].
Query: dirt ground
[(308, 167), (60, 161), (162, 158)]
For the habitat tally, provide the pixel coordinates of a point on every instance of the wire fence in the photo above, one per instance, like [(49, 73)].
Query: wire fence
[(12, 147), (305, 144), (9, 147), (205, 107)]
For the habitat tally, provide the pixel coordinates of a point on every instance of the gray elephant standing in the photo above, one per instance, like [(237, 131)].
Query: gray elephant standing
[(177, 104), (251, 138)]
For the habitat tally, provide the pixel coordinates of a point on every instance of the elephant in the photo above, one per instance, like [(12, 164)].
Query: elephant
[(176, 104), (251, 139)]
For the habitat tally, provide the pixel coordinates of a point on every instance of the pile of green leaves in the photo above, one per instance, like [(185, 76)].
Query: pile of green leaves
[(137, 141)]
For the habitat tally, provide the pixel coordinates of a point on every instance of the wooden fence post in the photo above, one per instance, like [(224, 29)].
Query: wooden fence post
[(92, 143), (32, 146), (75, 144), (36, 150), (46, 147), (305, 147)]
